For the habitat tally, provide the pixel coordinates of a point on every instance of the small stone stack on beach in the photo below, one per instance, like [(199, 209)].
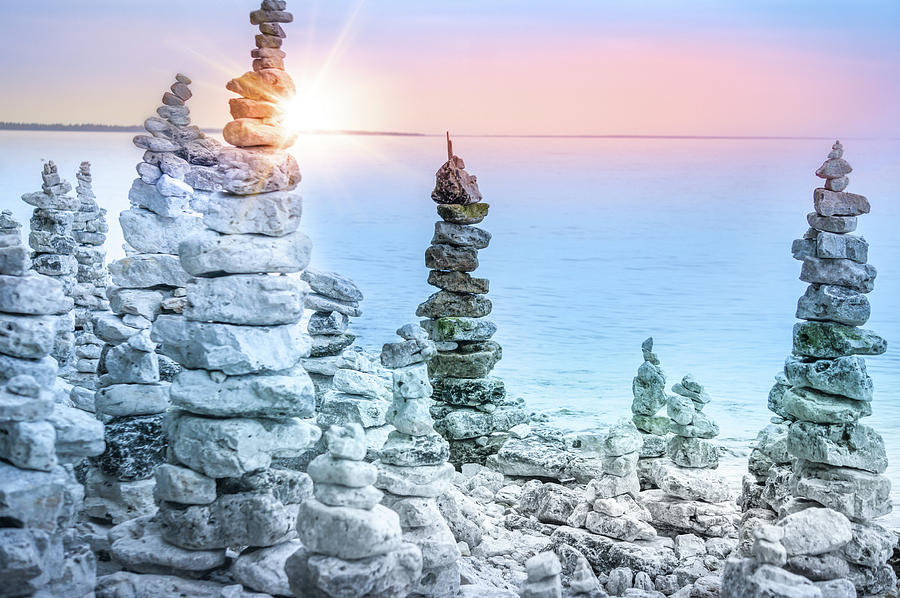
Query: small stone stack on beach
[(542, 577), (838, 462), (613, 510), (89, 230), (259, 112), (40, 553), (649, 390), (413, 470), (470, 409), (691, 428), (352, 546), (53, 242)]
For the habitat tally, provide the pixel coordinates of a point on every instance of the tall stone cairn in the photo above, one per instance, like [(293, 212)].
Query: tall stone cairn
[(40, 553), (133, 389), (89, 229), (649, 390), (239, 400), (54, 244), (353, 547), (470, 407), (826, 542), (413, 470)]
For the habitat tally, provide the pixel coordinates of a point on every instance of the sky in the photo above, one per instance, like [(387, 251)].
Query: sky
[(644, 67)]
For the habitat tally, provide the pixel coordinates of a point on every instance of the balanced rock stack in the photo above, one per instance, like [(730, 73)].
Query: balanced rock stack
[(39, 498), (352, 546), (133, 389), (691, 428), (838, 463), (413, 469), (54, 244), (542, 576), (470, 407), (89, 230), (649, 390), (259, 112), (613, 510)]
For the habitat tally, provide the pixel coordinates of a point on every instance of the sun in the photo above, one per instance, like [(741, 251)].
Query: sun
[(313, 111)]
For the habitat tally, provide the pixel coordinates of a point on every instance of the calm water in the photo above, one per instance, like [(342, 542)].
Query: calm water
[(597, 244)]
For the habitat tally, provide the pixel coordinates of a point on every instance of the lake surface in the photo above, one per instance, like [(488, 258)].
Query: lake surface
[(597, 244)]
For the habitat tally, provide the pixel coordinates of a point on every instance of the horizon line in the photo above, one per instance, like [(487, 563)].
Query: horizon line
[(100, 128)]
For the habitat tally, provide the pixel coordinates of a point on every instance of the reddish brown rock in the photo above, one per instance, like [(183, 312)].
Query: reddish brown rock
[(268, 85), (251, 132)]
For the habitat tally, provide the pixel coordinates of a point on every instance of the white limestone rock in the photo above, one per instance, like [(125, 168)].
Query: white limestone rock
[(148, 232), (208, 253), (139, 546), (348, 533), (254, 299), (143, 271), (288, 393)]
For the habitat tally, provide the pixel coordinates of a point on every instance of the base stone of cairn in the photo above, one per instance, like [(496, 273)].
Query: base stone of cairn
[(413, 470), (40, 553), (352, 545), (53, 243), (133, 390), (649, 390), (89, 230), (831, 486), (470, 410)]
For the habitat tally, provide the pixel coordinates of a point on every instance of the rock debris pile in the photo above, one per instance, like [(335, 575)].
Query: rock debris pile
[(826, 541)]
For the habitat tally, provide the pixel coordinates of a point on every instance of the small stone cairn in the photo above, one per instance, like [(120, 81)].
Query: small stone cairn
[(352, 546), (349, 386), (691, 428), (542, 577), (470, 409), (611, 506), (53, 242), (413, 470), (40, 553), (89, 229), (133, 390), (649, 390), (838, 488)]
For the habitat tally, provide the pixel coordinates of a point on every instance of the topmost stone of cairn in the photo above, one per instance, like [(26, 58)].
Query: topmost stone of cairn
[(454, 185), (54, 193), (266, 90), (835, 169)]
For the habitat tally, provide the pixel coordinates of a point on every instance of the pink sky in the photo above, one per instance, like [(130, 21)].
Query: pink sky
[(510, 68)]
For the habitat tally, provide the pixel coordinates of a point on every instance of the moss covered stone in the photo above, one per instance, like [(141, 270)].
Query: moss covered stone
[(472, 213), (829, 340)]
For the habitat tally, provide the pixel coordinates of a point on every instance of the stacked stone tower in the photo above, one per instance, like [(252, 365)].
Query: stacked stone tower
[(352, 546), (54, 244), (827, 542), (649, 390), (469, 403), (89, 230), (39, 499), (691, 429), (133, 389), (413, 469)]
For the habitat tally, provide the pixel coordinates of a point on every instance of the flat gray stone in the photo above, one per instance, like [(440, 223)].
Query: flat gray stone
[(818, 407), (841, 445), (839, 272), (460, 235), (332, 285), (272, 214), (144, 271), (183, 486), (29, 337), (859, 495), (230, 348), (210, 253), (132, 399), (459, 329), (139, 546), (149, 232), (33, 294), (254, 299), (253, 171), (814, 531), (445, 304), (834, 303), (284, 394), (832, 203), (833, 246), (832, 224), (829, 340), (846, 376)]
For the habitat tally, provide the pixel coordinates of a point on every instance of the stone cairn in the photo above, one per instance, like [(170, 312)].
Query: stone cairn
[(240, 397), (40, 554), (827, 542), (691, 428), (53, 242), (542, 577), (349, 386), (469, 407), (89, 229), (611, 508), (413, 470), (133, 390), (649, 390), (352, 546)]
